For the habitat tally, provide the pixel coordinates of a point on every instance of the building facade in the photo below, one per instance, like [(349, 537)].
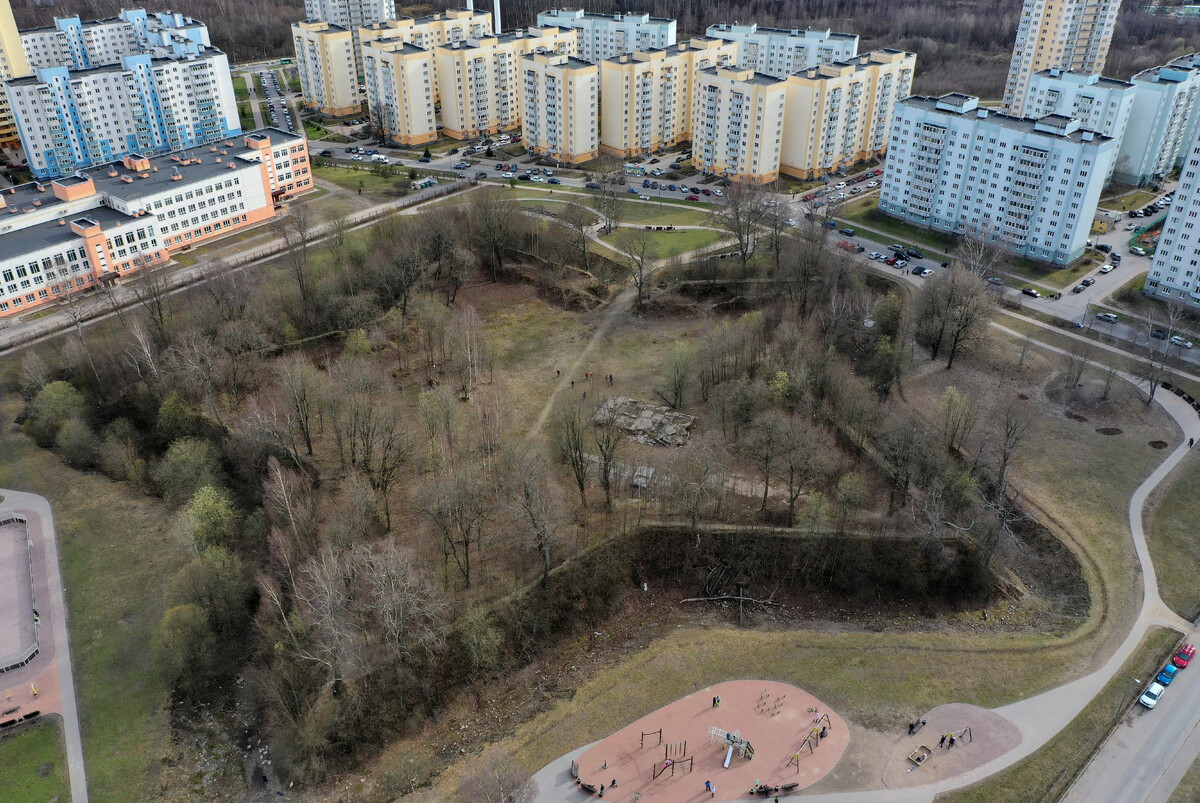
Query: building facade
[(606, 36), (841, 113), (1162, 121), (1099, 104), (479, 80), (349, 14), (89, 229), (400, 91), (327, 63), (646, 96), (430, 32), (737, 128), (779, 52), (13, 64), (71, 42), (73, 119), (561, 95), (1028, 186), (1068, 34), (1175, 273)]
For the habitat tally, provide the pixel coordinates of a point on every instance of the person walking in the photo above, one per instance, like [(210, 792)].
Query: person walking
[(942, 743), (708, 786), (951, 741)]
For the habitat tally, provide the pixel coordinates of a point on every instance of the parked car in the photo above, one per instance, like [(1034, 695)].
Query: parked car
[(1134, 249), (995, 280), (1184, 656), (1088, 282), (877, 171), (922, 272), (890, 260), (1116, 258), (899, 249), (791, 221), (499, 166), (1107, 317), (509, 174), (847, 231), (671, 187), (547, 171), (424, 160), (554, 181), (1181, 342), (1150, 697), (655, 161), (1167, 674), (1029, 291), (1104, 248), (718, 193), (538, 179), (874, 255), (357, 157), (900, 263), (633, 190), (523, 177), (1130, 226), (644, 197), (914, 253), (1158, 334), (872, 184), (480, 176), (1079, 288), (693, 197), (855, 190), (841, 185), (591, 185), (326, 152), (706, 192)]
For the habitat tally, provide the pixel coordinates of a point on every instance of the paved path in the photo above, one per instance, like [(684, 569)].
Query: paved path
[(55, 658)]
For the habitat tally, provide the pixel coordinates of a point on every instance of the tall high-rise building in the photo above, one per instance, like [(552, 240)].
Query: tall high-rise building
[(841, 113), (646, 95), (561, 97), (779, 52), (1162, 122), (605, 36), (1068, 34), (429, 32), (1099, 104), (738, 124), (79, 45), (1028, 186), (350, 14), (1175, 274), (73, 119), (327, 62), (13, 64), (400, 91)]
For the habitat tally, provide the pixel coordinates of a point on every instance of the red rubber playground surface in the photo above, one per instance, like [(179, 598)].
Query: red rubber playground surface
[(774, 717)]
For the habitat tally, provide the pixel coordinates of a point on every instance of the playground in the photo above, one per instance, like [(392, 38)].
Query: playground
[(747, 738), (18, 637)]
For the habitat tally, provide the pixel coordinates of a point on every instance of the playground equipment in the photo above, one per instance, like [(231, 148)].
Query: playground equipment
[(963, 735), (657, 733), (676, 750), (734, 741), (671, 764)]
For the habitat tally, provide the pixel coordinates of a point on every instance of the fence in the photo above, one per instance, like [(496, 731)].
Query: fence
[(29, 653)]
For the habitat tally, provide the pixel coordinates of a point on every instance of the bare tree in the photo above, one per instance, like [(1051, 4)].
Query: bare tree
[(741, 216), (953, 310), (396, 272), (777, 236), (468, 350), (409, 612), (958, 418), (569, 442), (609, 201), (803, 262), (579, 220), (977, 253), (494, 216), (459, 504), (1164, 323), (1075, 362), (539, 509), (496, 778), (677, 375), (301, 384), (608, 440), (638, 252), (803, 453), (763, 444), (1011, 431), (295, 229)]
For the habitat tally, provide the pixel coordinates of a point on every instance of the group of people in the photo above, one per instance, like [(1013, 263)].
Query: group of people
[(609, 378)]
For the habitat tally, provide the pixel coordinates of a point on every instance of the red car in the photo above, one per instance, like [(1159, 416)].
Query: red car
[(693, 198), (808, 197), (706, 191), (1185, 656), (877, 172)]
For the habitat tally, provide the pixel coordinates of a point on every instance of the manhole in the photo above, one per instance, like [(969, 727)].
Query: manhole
[(1109, 430), (1158, 444), (1075, 417)]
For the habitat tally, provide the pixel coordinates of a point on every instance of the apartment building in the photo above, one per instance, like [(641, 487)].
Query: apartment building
[(71, 42), (779, 52), (400, 91), (737, 129), (1162, 121), (1029, 186), (605, 36), (479, 80), (841, 113), (1068, 34), (430, 32), (349, 14), (646, 96), (93, 228), (561, 97), (1175, 273), (74, 119), (327, 62), (13, 64), (1099, 104)]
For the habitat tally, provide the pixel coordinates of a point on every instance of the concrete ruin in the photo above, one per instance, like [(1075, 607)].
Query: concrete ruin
[(646, 423)]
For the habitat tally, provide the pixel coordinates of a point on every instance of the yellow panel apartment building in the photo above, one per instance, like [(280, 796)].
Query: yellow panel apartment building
[(479, 80), (841, 113), (431, 31), (646, 95), (13, 64), (327, 64), (400, 91), (738, 124), (560, 115)]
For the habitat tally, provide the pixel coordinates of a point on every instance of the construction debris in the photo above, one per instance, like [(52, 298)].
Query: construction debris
[(646, 423)]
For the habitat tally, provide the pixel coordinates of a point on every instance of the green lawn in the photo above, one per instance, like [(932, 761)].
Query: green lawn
[(314, 131), (1048, 773), (117, 554), (258, 86), (654, 215), (863, 211), (1172, 539), (349, 178), (245, 115), (1059, 278), (240, 91), (33, 765), (1133, 200), (671, 243)]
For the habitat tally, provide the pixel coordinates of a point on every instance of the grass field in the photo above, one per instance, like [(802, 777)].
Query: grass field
[(655, 215), (117, 554), (1171, 537), (671, 243), (245, 115), (314, 131), (33, 766), (1134, 200), (349, 178), (1058, 278), (859, 211), (240, 91), (1048, 773)]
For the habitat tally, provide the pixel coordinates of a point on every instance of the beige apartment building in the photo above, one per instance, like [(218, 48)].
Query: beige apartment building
[(479, 80), (561, 96), (400, 91), (737, 129), (327, 63), (841, 113), (13, 64), (431, 31), (646, 96), (1068, 34)]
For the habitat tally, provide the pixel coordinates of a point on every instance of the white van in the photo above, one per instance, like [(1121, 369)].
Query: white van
[(379, 157)]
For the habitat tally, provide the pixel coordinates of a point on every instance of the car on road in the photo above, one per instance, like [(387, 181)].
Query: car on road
[(1106, 269), (899, 249), (523, 177), (900, 263), (462, 165), (1167, 674), (922, 272), (1150, 697), (1107, 317), (644, 197), (1079, 288), (554, 181), (547, 171), (591, 185), (1130, 226), (841, 185), (424, 160), (538, 179), (656, 172), (480, 176), (994, 280), (914, 253), (872, 184), (633, 190), (874, 255), (1133, 249), (1088, 282), (718, 193), (1029, 291), (508, 174), (847, 231), (357, 157), (1158, 334), (1181, 342), (1104, 248), (1116, 259), (791, 221), (326, 152), (693, 197), (655, 161)]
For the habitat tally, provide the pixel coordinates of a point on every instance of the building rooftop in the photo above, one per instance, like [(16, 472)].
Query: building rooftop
[(395, 44), (761, 79), (1082, 77), (29, 80), (819, 33), (568, 62), (498, 39), (967, 106), (44, 235), (596, 15)]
